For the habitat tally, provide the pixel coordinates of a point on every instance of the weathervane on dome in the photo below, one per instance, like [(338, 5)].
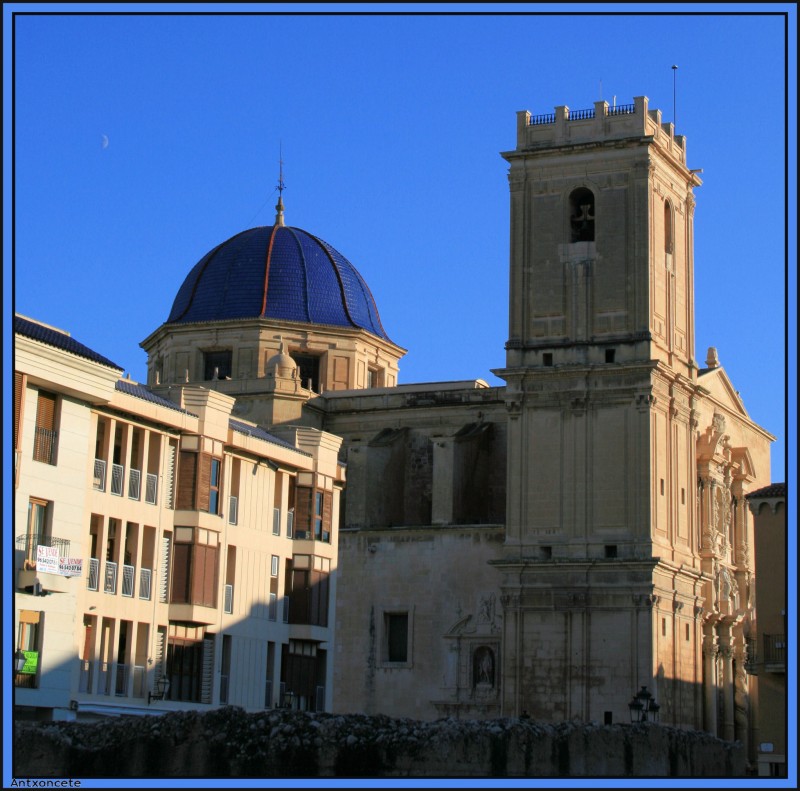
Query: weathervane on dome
[(281, 187)]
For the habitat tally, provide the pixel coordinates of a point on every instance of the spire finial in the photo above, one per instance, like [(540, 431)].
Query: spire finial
[(281, 188)]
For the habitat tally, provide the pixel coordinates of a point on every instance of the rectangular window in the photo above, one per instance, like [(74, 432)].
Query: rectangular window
[(217, 365), (46, 438), (195, 567), (199, 482), (396, 636), (26, 657), (547, 358), (38, 531), (275, 561), (307, 587)]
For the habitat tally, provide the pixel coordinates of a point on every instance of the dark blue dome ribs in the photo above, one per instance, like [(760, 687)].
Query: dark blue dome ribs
[(227, 283), (279, 273)]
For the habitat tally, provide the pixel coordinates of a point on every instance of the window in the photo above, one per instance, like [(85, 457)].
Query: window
[(195, 566), (199, 482), (37, 530), (547, 358), (213, 490), (313, 514), (581, 207), (668, 234), (610, 354), (396, 636), (46, 438), (26, 658), (611, 550), (308, 370), (275, 561), (307, 586), (190, 664), (217, 365)]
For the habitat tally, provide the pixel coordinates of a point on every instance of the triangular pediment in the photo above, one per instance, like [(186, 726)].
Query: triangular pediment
[(716, 381)]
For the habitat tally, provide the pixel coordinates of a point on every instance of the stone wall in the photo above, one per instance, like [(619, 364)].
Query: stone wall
[(228, 742)]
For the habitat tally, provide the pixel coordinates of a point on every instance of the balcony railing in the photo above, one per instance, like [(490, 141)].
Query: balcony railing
[(223, 688), (44, 445), (145, 579), (289, 524), (228, 599), (151, 488), (286, 609), (117, 479), (113, 678), (233, 510), (87, 676), (135, 484), (276, 521), (128, 576), (27, 543), (100, 475), (268, 694), (93, 577), (775, 650), (110, 579)]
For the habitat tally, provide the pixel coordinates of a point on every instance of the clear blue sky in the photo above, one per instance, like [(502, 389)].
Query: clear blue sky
[(141, 142)]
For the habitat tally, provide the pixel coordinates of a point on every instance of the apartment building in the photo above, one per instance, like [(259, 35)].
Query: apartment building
[(167, 555)]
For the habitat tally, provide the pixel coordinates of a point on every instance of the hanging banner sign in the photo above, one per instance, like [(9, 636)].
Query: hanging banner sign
[(49, 562)]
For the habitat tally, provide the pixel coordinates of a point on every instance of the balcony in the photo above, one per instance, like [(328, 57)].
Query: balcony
[(117, 479), (113, 678), (128, 576), (192, 613), (135, 484), (151, 489), (44, 445), (774, 653), (93, 576), (25, 561), (99, 482), (145, 579)]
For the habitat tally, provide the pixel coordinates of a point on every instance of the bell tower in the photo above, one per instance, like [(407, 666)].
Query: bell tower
[(602, 566)]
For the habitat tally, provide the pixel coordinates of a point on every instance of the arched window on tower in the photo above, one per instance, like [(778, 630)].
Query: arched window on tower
[(668, 228), (581, 215)]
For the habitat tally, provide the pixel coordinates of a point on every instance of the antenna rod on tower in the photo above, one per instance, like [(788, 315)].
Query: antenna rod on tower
[(674, 110)]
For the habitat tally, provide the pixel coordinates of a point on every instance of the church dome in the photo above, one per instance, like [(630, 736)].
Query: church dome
[(277, 272)]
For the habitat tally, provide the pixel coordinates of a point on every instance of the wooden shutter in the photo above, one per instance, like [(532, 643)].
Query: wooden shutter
[(19, 392), (303, 509), (187, 479), (203, 482), (46, 411), (204, 577), (45, 422), (327, 511), (181, 573)]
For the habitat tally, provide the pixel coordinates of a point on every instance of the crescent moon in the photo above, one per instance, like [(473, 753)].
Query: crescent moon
[(105, 141)]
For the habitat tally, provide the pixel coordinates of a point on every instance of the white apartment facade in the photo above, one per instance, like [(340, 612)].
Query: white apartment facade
[(166, 555)]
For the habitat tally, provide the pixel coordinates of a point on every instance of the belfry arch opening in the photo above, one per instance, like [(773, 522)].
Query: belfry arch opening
[(581, 215)]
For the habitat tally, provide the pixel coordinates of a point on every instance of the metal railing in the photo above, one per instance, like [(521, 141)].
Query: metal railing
[(44, 445), (774, 649), (135, 484), (228, 599), (286, 609), (128, 576), (223, 688), (139, 679), (100, 475), (151, 488), (268, 694), (93, 574), (110, 579), (276, 521), (86, 676), (27, 543), (289, 524), (117, 479), (233, 510), (145, 580)]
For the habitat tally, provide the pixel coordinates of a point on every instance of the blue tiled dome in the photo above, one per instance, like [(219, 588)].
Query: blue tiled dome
[(277, 272)]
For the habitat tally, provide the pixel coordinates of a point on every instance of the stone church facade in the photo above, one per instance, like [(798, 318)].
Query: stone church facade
[(549, 546)]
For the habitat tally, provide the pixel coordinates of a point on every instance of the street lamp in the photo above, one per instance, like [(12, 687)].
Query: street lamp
[(643, 707), (162, 687)]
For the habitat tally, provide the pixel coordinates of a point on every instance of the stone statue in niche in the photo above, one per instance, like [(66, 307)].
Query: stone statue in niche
[(483, 668)]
